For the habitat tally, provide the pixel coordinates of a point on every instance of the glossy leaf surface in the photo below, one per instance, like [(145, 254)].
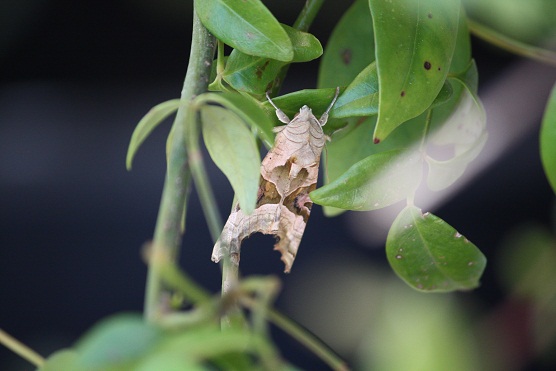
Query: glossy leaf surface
[(148, 123), (415, 41), (350, 48), (548, 140), (247, 108), (460, 63), (251, 74), (306, 46), (247, 26), (356, 144), (317, 99), (347, 147), (360, 97), (257, 75), (375, 182), (233, 149), (430, 255)]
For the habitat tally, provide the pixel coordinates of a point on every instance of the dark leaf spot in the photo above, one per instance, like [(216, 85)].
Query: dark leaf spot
[(270, 85), (429, 15), (427, 65), (402, 94), (346, 56), (260, 69), (376, 141), (439, 68)]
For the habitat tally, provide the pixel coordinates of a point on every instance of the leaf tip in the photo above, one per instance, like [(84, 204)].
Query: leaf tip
[(129, 160)]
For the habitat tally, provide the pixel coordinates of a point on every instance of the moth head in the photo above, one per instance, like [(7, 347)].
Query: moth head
[(304, 113)]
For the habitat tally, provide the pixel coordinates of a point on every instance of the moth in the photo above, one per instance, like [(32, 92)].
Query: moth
[(289, 173)]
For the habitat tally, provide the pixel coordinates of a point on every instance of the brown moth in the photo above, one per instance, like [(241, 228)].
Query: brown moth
[(289, 173)]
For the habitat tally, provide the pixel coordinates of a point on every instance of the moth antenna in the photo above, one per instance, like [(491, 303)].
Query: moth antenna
[(324, 117), (279, 113), (271, 102), (333, 100)]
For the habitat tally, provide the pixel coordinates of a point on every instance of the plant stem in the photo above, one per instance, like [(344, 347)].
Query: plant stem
[(200, 177), (302, 335), (21, 349), (309, 340), (426, 130), (230, 278), (220, 64), (202, 185), (230, 271), (167, 235), (511, 45), (307, 15), (302, 23)]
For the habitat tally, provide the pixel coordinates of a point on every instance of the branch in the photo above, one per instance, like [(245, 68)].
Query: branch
[(21, 349), (168, 235), (511, 45)]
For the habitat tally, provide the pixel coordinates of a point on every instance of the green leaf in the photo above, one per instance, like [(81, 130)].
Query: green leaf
[(116, 340), (444, 95), (460, 62), (233, 149), (148, 123), (65, 359), (415, 41), (548, 140), (257, 75), (350, 48), (375, 182), (306, 47), (247, 26), (247, 108), (347, 149), (361, 96), (251, 74), (430, 255), (465, 132), (317, 99), (513, 24)]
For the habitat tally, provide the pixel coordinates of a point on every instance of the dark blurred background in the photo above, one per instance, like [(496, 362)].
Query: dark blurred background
[(76, 77)]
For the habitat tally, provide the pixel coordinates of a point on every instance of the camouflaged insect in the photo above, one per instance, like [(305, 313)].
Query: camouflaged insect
[(289, 173)]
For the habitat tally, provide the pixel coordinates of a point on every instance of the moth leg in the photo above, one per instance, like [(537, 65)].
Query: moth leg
[(279, 113), (324, 117), (300, 202)]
